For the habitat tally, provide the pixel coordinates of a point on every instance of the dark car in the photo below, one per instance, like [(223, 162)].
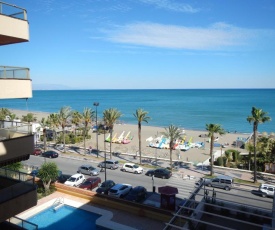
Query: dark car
[(34, 172), (37, 152), (137, 194), (90, 183), (161, 172), (63, 177), (50, 154), (105, 186)]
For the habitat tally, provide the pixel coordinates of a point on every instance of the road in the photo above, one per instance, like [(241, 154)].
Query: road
[(185, 186), (70, 166)]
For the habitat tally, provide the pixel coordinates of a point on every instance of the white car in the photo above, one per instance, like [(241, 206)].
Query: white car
[(75, 180), (120, 190), (131, 167)]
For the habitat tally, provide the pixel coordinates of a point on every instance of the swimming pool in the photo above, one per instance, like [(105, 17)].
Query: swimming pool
[(75, 215), (66, 217)]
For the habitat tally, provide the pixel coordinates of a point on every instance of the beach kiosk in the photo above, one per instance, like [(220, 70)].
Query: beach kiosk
[(168, 197)]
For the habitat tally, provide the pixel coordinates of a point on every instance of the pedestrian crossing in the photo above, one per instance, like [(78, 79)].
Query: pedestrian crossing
[(185, 186)]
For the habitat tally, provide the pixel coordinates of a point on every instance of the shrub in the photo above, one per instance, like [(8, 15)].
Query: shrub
[(220, 161), (225, 161)]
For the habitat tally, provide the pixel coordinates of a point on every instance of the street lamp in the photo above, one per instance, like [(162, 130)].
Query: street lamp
[(153, 184), (96, 104), (105, 169)]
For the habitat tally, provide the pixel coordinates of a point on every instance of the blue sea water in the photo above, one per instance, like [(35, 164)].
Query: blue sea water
[(185, 108)]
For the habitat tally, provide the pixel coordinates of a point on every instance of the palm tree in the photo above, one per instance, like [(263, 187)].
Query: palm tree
[(76, 119), (250, 148), (63, 116), (44, 126), (29, 117), (87, 116), (53, 122), (3, 113), (257, 117), (212, 130), (141, 116), (110, 116), (12, 118), (172, 133)]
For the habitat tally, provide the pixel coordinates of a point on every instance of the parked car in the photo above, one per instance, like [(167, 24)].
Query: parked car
[(63, 178), (37, 152), (88, 169), (50, 154), (90, 183), (109, 164), (105, 187), (34, 172), (267, 190), (120, 190), (224, 182), (137, 194), (59, 147), (131, 167), (160, 172), (75, 180)]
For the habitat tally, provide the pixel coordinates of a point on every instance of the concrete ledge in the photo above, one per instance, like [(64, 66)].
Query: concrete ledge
[(117, 203)]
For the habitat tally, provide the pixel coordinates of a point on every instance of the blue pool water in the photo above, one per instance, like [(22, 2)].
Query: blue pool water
[(66, 217)]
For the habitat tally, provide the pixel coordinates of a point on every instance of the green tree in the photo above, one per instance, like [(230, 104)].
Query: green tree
[(141, 116), (12, 117), (3, 113), (110, 116), (53, 122), (48, 173), (87, 117), (172, 133), (212, 130), (76, 119), (250, 148), (257, 117), (15, 166), (29, 118), (44, 126), (265, 147), (63, 117)]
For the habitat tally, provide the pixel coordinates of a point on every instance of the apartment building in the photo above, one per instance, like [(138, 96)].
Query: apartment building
[(17, 190)]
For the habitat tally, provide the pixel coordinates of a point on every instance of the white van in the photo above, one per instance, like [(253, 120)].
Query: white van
[(267, 190)]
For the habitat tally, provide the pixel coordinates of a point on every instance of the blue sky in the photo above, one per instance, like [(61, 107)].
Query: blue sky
[(129, 44)]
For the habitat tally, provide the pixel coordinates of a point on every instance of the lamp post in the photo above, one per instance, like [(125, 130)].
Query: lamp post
[(96, 104), (153, 184), (105, 169)]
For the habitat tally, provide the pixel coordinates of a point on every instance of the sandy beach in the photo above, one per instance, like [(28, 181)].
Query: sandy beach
[(195, 155)]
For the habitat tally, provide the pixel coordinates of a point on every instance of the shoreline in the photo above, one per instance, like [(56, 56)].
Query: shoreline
[(40, 114), (194, 155)]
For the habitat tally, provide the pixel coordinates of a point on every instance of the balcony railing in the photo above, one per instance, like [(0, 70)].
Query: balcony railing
[(11, 129), (13, 11), (12, 72), (18, 184)]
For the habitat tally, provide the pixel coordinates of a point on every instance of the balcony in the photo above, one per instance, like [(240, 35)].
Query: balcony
[(16, 142), (17, 193), (14, 27), (15, 82)]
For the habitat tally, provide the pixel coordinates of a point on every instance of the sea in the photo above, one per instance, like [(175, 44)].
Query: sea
[(184, 108)]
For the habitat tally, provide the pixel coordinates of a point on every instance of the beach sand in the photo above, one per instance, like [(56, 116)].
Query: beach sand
[(194, 155)]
